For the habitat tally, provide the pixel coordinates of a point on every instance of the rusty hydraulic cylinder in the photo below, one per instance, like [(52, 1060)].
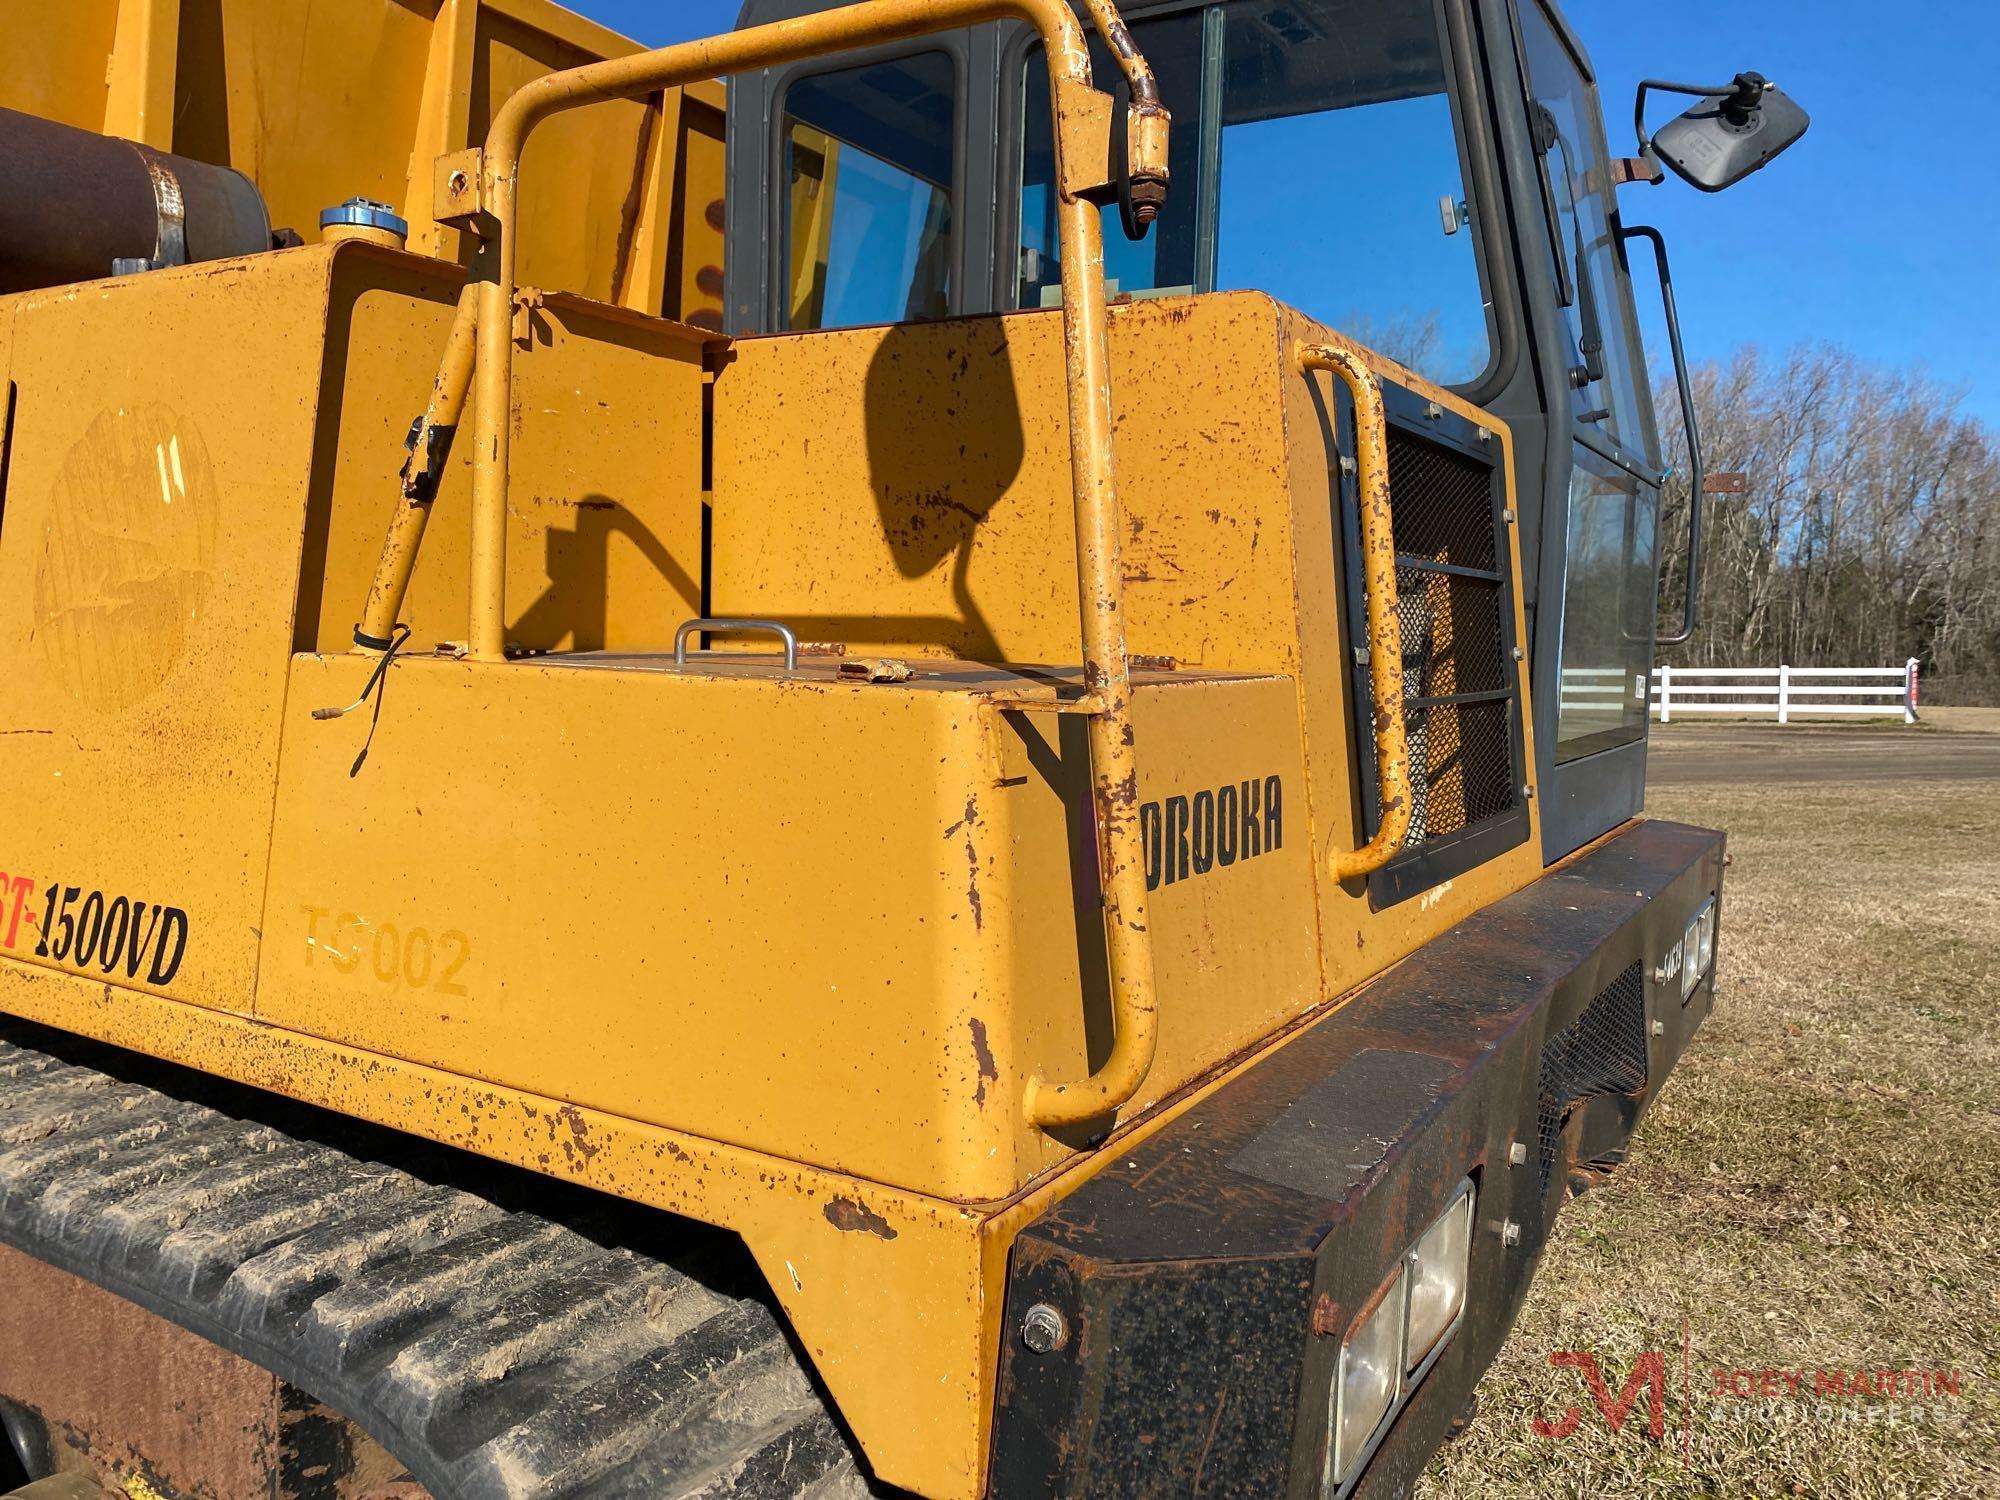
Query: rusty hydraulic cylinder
[(74, 204), (1385, 628), (429, 445), (1084, 169)]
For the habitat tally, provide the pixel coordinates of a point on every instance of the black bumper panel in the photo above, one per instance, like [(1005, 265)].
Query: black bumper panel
[(1192, 1274)]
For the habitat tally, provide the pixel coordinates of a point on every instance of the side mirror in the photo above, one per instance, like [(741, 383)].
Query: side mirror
[(1733, 131)]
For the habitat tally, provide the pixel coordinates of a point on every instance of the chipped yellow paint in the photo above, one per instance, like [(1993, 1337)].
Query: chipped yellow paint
[(903, 489), (670, 912)]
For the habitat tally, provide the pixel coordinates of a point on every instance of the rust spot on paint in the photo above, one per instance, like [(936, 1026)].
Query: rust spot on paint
[(579, 1143), (857, 1218), (988, 1073), (874, 669), (972, 888), (971, 816)]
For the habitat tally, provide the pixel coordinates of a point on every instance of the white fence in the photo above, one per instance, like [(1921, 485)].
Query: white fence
[(1747, 692), (1785, 691)]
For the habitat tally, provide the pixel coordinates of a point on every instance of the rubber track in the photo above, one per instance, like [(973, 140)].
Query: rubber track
[(498, 1354)]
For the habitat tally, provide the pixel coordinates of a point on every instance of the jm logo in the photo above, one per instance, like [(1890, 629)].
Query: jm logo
[(1649, 1375)]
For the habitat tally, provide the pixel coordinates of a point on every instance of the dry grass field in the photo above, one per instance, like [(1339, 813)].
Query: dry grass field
[(1818, 1187)]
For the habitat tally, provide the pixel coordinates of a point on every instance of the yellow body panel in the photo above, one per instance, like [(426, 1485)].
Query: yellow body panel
[(155, 485), (605, 546), (830, 921), (776, 951), (923, 509)]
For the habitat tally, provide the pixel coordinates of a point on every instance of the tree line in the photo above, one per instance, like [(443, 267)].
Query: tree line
[(1869, 529)]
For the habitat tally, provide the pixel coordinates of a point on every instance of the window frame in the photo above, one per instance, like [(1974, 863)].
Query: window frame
[(776, 251), (1473, 140)]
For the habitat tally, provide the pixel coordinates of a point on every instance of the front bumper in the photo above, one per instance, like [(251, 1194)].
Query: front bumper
[(1204, 1281)]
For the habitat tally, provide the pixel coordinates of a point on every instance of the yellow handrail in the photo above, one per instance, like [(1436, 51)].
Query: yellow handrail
[(1385, 630), (1084, 175)]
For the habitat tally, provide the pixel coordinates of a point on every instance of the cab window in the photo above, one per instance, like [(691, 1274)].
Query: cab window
[(1607, 384), (867, 194), (1314, 161)]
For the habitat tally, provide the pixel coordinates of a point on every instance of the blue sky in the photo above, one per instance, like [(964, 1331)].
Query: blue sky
[(1880, 230)]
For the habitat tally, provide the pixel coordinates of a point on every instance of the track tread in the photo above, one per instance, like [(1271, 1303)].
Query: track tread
[(500, 1355)]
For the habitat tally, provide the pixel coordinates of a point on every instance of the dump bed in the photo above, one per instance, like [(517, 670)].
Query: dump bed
[(320, 103)]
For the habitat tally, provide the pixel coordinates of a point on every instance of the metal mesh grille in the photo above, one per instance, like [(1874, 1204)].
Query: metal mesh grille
[(1461, 764), (1454, 641), (1603, 1051), (1443, 503), (1451, 634)]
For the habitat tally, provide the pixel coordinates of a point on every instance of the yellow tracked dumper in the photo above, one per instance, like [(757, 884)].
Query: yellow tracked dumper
[(799, 786)]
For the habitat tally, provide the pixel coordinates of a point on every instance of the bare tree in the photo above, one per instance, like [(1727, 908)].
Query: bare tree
[(1870, 528)]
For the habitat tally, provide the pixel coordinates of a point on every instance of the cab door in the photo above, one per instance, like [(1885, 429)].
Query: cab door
[(1594, 636)]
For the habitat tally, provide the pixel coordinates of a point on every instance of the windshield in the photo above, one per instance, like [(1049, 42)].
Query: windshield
[(1315, 157)]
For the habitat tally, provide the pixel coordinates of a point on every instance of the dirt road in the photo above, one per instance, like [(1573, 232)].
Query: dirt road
[(1706, 753)]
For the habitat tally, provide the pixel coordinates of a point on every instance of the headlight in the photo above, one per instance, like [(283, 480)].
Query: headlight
[(1388, 1351), (1371, 1364), (1690, 956), (1697, 947), (1437, 1277)]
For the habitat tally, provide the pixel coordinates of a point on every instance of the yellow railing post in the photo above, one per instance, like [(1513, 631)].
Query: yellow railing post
[(1085, 173)]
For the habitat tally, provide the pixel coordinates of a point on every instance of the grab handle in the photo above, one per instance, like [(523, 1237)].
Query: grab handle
[(773, 627), (1690, 427), (1385, 629)]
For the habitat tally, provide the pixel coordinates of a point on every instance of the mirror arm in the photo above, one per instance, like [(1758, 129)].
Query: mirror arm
[(1690, 425), (1666, 86)]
